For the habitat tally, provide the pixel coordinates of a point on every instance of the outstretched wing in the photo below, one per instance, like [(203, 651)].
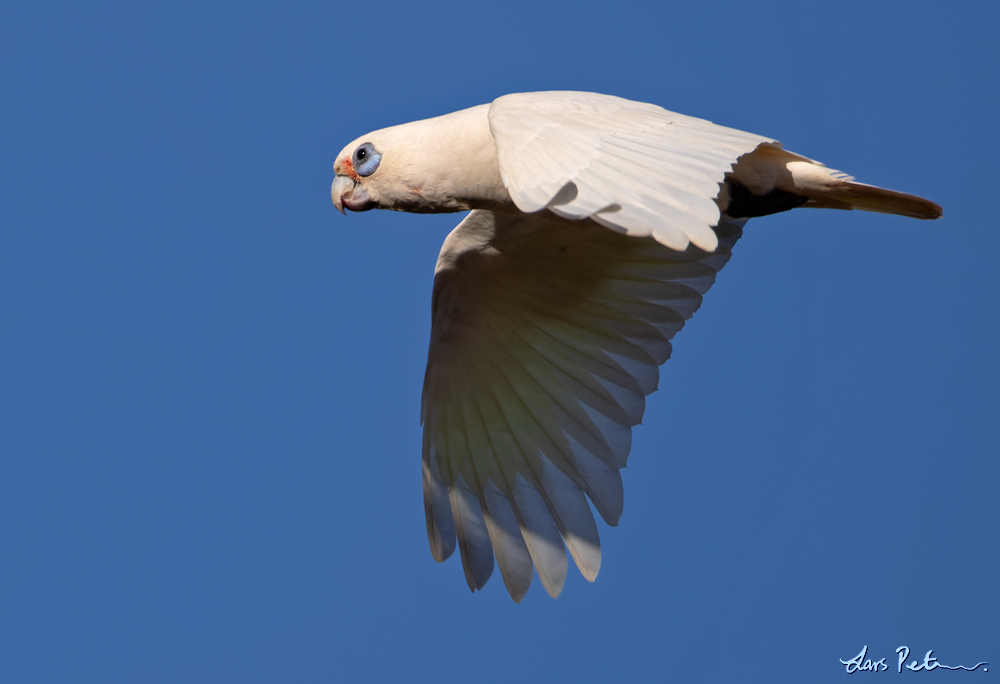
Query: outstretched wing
[(633, 167), (547, 335)]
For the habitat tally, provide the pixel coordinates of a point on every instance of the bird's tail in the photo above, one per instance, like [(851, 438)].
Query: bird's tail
[(769, 169), (851, 195)]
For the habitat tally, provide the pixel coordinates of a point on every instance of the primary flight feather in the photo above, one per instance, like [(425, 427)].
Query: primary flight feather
[(597, 224)]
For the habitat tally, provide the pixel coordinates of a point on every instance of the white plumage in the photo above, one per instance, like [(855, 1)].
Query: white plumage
[(597, 225)]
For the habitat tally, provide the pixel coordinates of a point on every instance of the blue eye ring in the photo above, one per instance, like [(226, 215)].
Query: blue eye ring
[(365, 159)]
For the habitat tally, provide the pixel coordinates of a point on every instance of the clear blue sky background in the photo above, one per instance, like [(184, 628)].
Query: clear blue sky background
[(210, 380)]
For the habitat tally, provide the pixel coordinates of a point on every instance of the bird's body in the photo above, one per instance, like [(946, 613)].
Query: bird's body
[(597, 225)]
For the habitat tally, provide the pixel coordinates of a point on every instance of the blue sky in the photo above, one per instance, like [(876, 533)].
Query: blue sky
[(210, 380)]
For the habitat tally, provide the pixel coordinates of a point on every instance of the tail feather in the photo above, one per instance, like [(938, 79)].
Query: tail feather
[(871, 198), (772, 172)]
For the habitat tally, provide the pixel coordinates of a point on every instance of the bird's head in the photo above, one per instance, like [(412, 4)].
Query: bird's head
[(357, 181), (435, 165), (385, 169)]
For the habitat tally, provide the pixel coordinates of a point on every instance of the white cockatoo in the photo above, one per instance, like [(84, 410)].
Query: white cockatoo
[(597, 224)]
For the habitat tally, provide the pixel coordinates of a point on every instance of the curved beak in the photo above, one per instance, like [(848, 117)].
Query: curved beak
[(346, 193), (342, 185)]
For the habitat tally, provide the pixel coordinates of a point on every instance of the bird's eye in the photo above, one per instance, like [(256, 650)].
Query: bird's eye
[(366, 159)]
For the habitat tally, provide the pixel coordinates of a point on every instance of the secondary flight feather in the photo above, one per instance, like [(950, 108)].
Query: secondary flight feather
[(597, 225)]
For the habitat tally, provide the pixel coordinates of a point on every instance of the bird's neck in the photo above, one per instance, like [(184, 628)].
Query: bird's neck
[(451, 164)]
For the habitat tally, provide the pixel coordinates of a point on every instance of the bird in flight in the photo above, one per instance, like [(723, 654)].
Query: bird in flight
[(597, 225)]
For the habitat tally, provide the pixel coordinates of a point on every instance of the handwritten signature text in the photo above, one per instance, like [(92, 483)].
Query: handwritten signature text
[(861, 663)]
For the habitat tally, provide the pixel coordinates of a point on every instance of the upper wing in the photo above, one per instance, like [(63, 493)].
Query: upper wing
[(630, 166), (546, 337)]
